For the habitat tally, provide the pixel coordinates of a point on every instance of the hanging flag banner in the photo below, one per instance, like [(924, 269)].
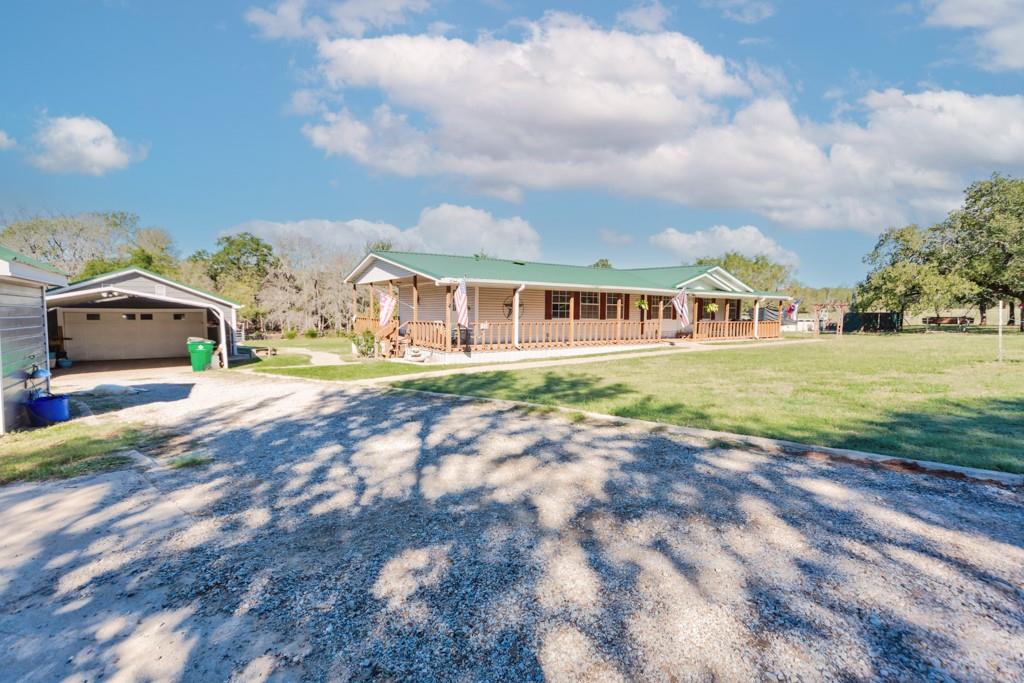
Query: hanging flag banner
[(793, 308), (462, 304), (679, 301), (387, 307)]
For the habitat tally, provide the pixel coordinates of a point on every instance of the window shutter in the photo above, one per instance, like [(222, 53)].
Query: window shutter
[(625, 307), (604, 306), (576, 305), (547, 304)]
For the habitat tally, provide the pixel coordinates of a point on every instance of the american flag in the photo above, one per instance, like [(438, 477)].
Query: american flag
[(462, 303), (793, 308), (680, 304), (387, 307)]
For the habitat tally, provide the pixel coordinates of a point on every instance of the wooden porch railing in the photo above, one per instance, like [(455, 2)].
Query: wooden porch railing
[(735, 329), (365, 323), (499, 335), (428, 335)]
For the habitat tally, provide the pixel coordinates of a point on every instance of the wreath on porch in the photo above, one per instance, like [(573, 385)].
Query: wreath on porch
[(507, 306)]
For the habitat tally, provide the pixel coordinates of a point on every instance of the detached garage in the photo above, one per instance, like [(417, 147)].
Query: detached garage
[(23, 283), (137, 315)]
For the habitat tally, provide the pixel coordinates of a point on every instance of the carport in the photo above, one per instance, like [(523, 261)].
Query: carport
[(134, 314)]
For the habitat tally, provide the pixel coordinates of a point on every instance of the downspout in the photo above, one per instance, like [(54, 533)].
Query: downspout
[(515, 315)]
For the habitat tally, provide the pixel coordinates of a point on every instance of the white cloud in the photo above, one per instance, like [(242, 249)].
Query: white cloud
[(292, 19), (997, 27), (572, 105), (649, 15), (715, 241), (743, 11), (445, 228), (615, 238), (6, 141), (82, 144)]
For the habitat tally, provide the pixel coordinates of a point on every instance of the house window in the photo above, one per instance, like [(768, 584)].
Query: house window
[(128, 316), (92, 316), (145, 316), (611, 306), (179, 316), (560, 304), (590, 305)]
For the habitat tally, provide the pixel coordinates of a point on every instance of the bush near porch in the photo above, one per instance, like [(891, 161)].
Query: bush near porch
[(936, 397)]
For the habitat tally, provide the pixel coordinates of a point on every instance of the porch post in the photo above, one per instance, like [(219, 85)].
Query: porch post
[(476, 314), (355, 305), (572, 322), (757, 310), (448, 318), (694, 318), (415, 299), (661, 317), (373, 304), (515, 317), (618, 317)]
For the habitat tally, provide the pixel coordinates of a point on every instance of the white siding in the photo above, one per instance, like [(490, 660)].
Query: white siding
[(22, 345)]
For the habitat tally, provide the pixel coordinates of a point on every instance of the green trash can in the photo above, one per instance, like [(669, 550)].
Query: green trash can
[(201, 353)]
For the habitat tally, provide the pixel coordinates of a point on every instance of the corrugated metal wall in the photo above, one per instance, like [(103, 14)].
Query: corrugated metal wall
[(22, 345)]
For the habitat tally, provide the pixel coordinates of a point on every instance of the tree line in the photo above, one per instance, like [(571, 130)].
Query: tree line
[(972, 259), (295, 284)]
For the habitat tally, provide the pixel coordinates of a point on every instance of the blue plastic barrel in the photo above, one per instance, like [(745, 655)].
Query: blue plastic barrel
[(46, 410)]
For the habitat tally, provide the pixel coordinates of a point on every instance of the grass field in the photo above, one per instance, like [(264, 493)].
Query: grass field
[(363, 370), (926, 396), (67, 450)]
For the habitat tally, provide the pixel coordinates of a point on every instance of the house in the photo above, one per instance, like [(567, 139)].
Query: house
[(133, 314), (522, 305), (23, 284)]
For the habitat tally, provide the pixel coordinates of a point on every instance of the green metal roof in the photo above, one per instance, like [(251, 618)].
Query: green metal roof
[(132, 269), (444, 266), (11, 255)]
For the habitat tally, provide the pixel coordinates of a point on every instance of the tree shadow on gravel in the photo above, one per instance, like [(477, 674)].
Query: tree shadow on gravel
[(373, 535)]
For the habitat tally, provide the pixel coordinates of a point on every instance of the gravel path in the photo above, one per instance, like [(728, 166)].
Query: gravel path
[(352, 534)]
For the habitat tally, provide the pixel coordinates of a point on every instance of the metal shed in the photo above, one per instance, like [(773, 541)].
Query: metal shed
[(23, 284), (134, 314)]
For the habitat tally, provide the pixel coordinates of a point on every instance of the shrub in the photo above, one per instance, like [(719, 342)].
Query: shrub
[(290, 334), (310, 334), (366, 343)]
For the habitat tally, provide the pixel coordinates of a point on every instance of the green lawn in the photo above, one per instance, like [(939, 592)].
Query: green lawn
[(67, 450), (926, 396)]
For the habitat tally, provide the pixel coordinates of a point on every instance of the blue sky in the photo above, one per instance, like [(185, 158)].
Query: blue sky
[(649, 133)]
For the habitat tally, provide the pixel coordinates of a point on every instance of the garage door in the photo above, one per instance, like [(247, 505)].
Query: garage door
[(117, 335)]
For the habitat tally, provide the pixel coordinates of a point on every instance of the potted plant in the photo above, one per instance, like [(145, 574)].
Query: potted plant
[(711, 308), (642, 304)]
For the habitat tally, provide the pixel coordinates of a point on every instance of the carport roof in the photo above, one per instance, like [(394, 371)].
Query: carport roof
[(82, 284)]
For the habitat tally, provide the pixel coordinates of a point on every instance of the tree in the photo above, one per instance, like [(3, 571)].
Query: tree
[(601, 263), (242, 257), (983, 242), (905, 276), (760, 272), (379, 245), (152, 249), (69, 242)]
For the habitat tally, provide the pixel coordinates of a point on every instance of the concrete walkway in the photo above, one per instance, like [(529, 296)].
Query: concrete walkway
[(315, 357), (680, 347)]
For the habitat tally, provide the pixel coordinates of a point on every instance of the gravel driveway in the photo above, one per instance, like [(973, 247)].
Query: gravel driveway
[(360, 535)]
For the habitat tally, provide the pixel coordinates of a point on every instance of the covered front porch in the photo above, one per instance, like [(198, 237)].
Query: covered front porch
[(654, 321)]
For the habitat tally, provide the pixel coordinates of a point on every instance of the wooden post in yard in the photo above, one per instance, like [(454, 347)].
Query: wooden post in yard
[(572, 321), (448, 318), (1001, 329), (415, 299)]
